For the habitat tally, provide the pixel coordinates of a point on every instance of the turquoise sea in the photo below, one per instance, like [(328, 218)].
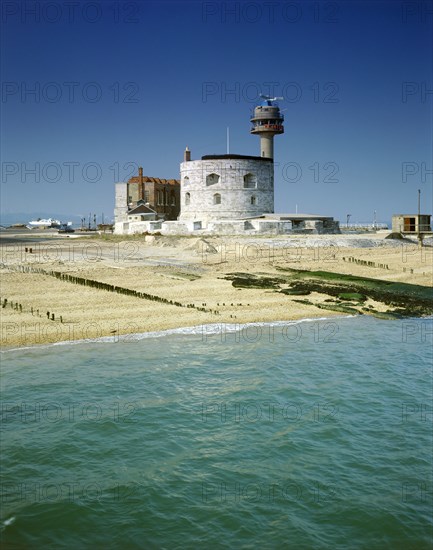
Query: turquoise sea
[(316, 434)]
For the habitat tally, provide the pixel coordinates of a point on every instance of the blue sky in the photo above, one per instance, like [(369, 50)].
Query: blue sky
[(123, 84)]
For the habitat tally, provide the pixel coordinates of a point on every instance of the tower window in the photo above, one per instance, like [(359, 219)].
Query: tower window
[(217, 198), (186, 180), (187, 199), (250, 181), (253, 200), (211, 179)]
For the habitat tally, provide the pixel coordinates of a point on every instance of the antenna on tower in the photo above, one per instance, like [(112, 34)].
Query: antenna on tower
[(269, 98)]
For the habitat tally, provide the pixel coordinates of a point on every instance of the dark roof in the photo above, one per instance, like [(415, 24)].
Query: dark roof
[(297, 217), (141, 209), (235, 157), (411, 215)]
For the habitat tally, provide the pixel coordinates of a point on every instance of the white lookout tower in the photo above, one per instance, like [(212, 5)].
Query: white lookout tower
[(267, 121)]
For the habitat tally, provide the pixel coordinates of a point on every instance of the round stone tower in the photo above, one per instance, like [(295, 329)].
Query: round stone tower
[(267, 121), (224, 187)]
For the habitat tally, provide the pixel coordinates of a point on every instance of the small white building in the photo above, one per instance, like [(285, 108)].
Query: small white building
[(411, 223), (142, 213)]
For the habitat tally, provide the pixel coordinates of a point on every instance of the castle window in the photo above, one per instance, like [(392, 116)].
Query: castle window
[(250, 181), (186, 180), (187, 199), (217, 198), (211, 179), (253, 200)]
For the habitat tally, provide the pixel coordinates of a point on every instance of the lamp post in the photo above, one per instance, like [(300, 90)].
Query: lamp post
[(347, 219), (419, 206), (419, 218)]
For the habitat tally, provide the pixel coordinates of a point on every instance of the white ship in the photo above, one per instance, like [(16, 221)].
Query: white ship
[(49, 222)]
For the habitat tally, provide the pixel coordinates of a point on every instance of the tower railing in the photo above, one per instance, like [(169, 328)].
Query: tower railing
[(261, 127)]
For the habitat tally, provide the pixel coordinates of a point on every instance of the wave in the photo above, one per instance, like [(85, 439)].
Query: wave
[(208, 329)]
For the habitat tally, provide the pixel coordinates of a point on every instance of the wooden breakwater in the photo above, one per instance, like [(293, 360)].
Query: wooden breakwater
[(99, 285)]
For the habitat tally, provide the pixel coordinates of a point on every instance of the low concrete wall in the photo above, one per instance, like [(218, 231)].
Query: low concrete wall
[(232, 227), (317, 227), (252, 226), (272, 227), (181, 228), (137, 228)]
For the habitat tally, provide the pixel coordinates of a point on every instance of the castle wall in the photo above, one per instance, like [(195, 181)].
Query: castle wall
[(226, 189), (258, 226), (121, 202)]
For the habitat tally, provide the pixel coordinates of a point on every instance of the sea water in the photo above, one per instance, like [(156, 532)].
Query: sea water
[(316, 434)]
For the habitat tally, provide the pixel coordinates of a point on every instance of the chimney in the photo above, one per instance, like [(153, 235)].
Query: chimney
[(140, 183), (187, 155)]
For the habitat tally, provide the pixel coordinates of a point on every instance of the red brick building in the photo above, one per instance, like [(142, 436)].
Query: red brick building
[(162, 195)]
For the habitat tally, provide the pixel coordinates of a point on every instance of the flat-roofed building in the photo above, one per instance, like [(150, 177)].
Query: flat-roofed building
[(411, 223)]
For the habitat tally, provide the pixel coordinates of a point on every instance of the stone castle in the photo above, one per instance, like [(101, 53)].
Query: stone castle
[(219, 194)]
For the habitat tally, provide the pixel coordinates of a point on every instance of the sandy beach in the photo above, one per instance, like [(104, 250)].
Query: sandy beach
[(196, 273)]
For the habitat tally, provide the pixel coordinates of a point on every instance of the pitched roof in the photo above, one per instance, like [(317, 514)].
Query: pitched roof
[(148, 179), (141, 209)]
